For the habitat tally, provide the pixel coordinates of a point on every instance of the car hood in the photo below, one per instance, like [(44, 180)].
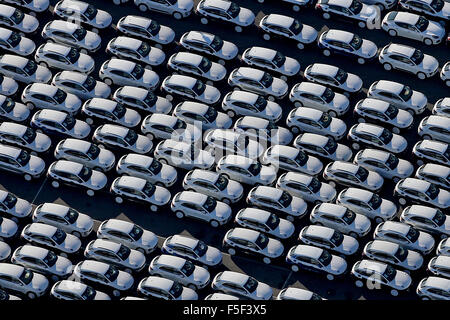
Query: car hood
[(165, 35), (148, 239), (22, 208), (374, 180), (398, 143), (229, 50), (81, 129), (354, 82), (414, 259), (26, 45), (314, 165), (368, 11), (161, 195), (143, 144), (286, 228), (72, 103), (150, 77), (63, 266), (338, 265), (211, 94), (340, 102), (201, 275), (9, 86), (327, 192), (98, 180), (404, 118), (131, 117), (272, 110), (361, 223), (425, 241), (291, 66), (106, 158), (281, 136), (85, 62), (186, 5), (8, 228), (102, 90), (71, 243), (213, 255), (343, 152), (404, 167), (102, 19), (435, 28), (308, 34), (443, 198), (418, 99), (217, 71), (136, 258), (20, 112), (42, 142), (29, 23), (84, 222), (223, 121), (124, 280), (263, 291), (429, 63), (42, 74), (188, 294), (268, 174), (368, 49), (222, 211), (402, 280), (39, 282), (92, 40), (388, 209), (245, 17), (36, 164), (350, 244), (234, 188), (279, 86), (337, 126)]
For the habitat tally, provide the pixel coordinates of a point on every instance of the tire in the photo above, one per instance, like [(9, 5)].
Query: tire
[(192, 286), (326, 53), (117, 2), (84, 51), (77, 234), (426, 137), (54, 277), (326, 16), (359, 283), (158, 45), (163, 161), (395, 130), (362, 24), (266, 36), (221, 62), (226, 200), (332, 183), (411, 112), (392, 32), (108, 81), (387, 66), (421, 75), (353, 234), (238, 29), (55, 184), (361, 61), (271, 98), (396, 179), (214, 223), (143, 8), (141, 250), (402, 201), (118, 200), (290, 218), (63, 254), (295, 130), (447, 83), (330, 277), (204, 20), (394, 292), (231, 251), (419, 162), (169, 97), (95, 30), (332, 113), (179, 214), (296, 8), (378, 220), (425, 298), (300, 46), (177, 15), (361, 120), (428, 41), (30, 105), (266, 260), (298, 104), (90, 192), (116, 293), (355, 146), (150, 136), (294, 268), (27, 177), (43, 64), (128, 270), (153, 208), (31, 295), (284, 78)]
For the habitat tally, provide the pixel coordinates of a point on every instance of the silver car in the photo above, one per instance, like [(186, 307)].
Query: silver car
[(99, 109), (122, 137), (329, 238), (83, 86), (23, 69), (147, 29), (25, 137), (13, 206), (197, 65), (190, 88), (142, 99), (26, 282), (13, 42), (135, 49), (83, 12)]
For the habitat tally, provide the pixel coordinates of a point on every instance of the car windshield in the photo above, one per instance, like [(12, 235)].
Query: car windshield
[(262, 241), (401, 254), (176, 290), (30, 67), (330, 146), (71, 216), (266, 80), (14, 39), (325, 258), (422, 24), (79, 34), (26, 276), (23, 158), (205, 64), (386, 136), (285, 199), (328, 95), (439, 218), (301, 158), (138, 71), (325, 120), (391, 112), (432, 191), (154, 28), (314, 185), (337, 238), (255, 168), (88, 294), (211, 114), (73, 55), (150, 99), (131, 137), (349, 216), (356, 42), (149, 189), (362, 174), (417, 57), (29, 135), (89, 83), (188, 268), (10, 201), (375, 201), (93, 152), (17, 16), (251, 284), (69, 122), (112, 273), (273, 221), (260, 103), (199, 87), (233, 10), (8, 105), (201, 248), (155, 167), (279, 59), (392, 161), (221, 183), (180, 124), (412, 234), (437, 5), (144, 49), (60, 96), (59, 236), (341, 76), (406, 93), (136, 233), (119, 111), (216, 43), (91, 12), (210, 204), (123, 252), (85, 174), (50, 259), (356, 7), (389, 273), (296, 27)]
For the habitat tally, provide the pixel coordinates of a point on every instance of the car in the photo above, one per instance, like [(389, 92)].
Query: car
[(142, 99), (5, 252), (246, 170), (413, 26), (439, 266), (421, 191), (380, 274), (121, 137), (196, 65), (388, 165), (180, 270), (272, 61), (317, 96), (214, 185), (240, 284), (73, 35), (54, 122), (435, 173), (347, 43), (340, 218), (76, 174), (367, 203), (316, 260), (400, 95), (13, 42), (42, 260), (22, 136), (393, 254), (288, 28), (83, 86), (51, 237), (329, 239), (16, 19), (164, 126), (365, 15), (435, 9), (351, 174), (22, 280), (292, 293), (36, 7), (221, 296), (335, 77), (225, 11), (46, 96), (116, 254), (183, 155), (86, 153), (19, 161), (8, 86), (84, 13), (443, 248), (8, 229), (431, 150), (280, 201), (250, 104), (4, 296), (307, 187), (435, 128), (442, 107), (221, 142), (323, 147), (105, 275), (408, 59), (201, 207), (166, 289), (14, 207), (291, 159), (405, 235), (64, 217), (192, 249), (23, 70), (73, 290), (190, 88), (129, 234), (106, 110), (382, 112), (429, 219), (64, 57), (203, 115), (433, 288), (210, 44), (263, 130), (137, 50), (377, 136), (147, 168), (13, 111), (139, 190), (146, 29), (178, 9), (445, 74), (303, 119), (123, 72)]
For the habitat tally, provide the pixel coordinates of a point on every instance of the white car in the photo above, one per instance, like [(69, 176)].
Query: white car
[(147, 29), (72, 34), (122, 137), (317, 96), (13, 42), (442, 107), (203, 115), (124, 72), (22, 280), (105, 110), (13, 206), (23, 69), (240, 284), (83, 86), (139, 190), (14, 18), (197, 65), (164, 126), (46, 96), (65, 218), (408, 59), (437, 10), (60, 123), (142, 99), (24, 137), (291, 293), (190, 88), (271, 198), (435, 128), (412, 189), (445, 74), (434, 288), (20, 162), (8, 86), (64, 57), (129, 234), (148, 168), (435, 173), (221, 142), (340, 218), (166, 289), (177, 9), (431, 150), (5, 251), (8, 229), (394, 254), (263, 130), (324, 147), (400, 95), (214, 185), (13, 111), (135, 49), (36, 6), (413, 26), (285, 27), (83, 12), (221, 296), (246, 170), (347, 173), (250, 104), (72, 290), (440, 266), (328, 238), (429, 219)]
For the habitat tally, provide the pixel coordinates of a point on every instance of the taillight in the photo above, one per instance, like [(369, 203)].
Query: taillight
[(318, 6)]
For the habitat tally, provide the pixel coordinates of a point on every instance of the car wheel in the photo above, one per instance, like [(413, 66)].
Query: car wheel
[(118, 200), (361, 61), (419, 162), (330, 277), (378, 220), (298, 104), (387, 66), (192, 286), (394, 292), (141, 250), (39, 131), (428, 41), (326, 15), (426, 137), (84, 51), (332, 183), (128, 270), (443, 236), (425, 298), (226, 200), (231, 252), (30, 105), (290, 218), (143, 8), (355, 146), (332, 113), (395, 130), (266, 36), (63, 254), (89, 121), (214, 223), (77, 234), (31, 295), (271, 98), (421, 75), (116, 293), (179, 214), (108, 81), (90, 192), (150, 136), (361, 120), (27, 177), (260, 1), (359, 283), (163, 161), (54, 277), (55, 184), (326, 53), (231, 113), (153, 208), (353, 234), (221, 62), (169, 97), (411, 112), (361, 24), (43, 64), (101, 146), (294, 268), (300, 46), (447, 83), (392, 32), (295, 129), (296, 8), (402, 201), (266, 260), (177, 15), (396, 179), (238, 28), (117, 2), (284, 78), (158, 45), (209, 83), (95, 30), (204, 20)]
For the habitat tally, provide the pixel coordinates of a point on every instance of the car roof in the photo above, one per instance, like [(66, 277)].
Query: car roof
[(178, 79), (102, 104), (340, 3), (138, 159), (406, 17), (64, 26), (184, 240), (68, 166), (130, 182), (194, 107), (191, 196), (375, 154), (287, 151), (173, 261), (421, 211), (56, 48), (127, 42), (6, 10), (11, 269), (434, 145), (262, 52), (220, 4), (10, 151), (54, 115), (117, 224), (158, 282), (225, 134), (438, 282), (252, 122), (74, 5), (175, 145), (134, 92), (73, 75), (442, 260), (391, 86), (233, 276), (187, 57), (137, 21), (309, 113), (314, 138), (401, 49), (199, 36), (210, 176), (369, 128), (373, 265), (33, 251), (41, 228), (297, 176), (94, 266), (333, 209), (339, 35), (345, 166), (374, 104), (247, 72), (238, 160), (76, 144), (121, 64), (416, 184), (321, 68), (279, 20), (5, 33), (14, 60), (12, 127), (115, 130), (324, 232), (106, 244), (311, 87), (243, 233), (438, 121), (268, 192), (244, 96), (384, 246), (71, 286), (54, 208), (308, 251), (161, 118), (255, 214), (357, 193), (436, 169), (46, 89), (396, 226)]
